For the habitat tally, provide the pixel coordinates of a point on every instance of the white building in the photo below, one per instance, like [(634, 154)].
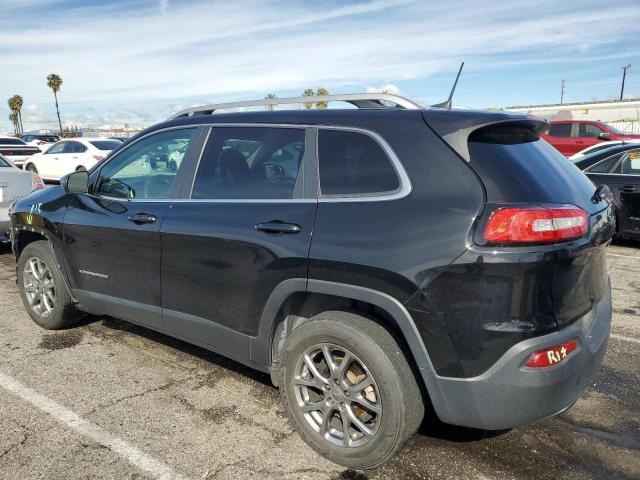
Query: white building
[(624, 115)]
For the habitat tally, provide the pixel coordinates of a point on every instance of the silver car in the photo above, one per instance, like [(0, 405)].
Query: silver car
[(14, 183)]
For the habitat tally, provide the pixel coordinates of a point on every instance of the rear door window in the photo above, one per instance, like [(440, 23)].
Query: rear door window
[(74, 147), (250, 163), (560, 130), (353, 164)]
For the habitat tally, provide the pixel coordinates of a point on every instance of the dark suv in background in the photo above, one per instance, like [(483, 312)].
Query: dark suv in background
[(374, 261)]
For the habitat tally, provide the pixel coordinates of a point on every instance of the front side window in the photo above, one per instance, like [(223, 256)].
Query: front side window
[(250, 163), (57, 148), (147, 169), (630, 164), (352, 163), (560, 130), (589, 130)]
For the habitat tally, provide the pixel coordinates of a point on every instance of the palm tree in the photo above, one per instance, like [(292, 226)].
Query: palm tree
[(308, 93), (15, 105), (54, 82), (322, 91), (270, 96), (14, 119)]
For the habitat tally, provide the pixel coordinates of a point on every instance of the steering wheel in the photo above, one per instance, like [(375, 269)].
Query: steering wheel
[(158, 186)]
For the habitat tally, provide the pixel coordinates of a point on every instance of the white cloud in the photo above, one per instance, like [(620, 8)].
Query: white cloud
[(120, 58), (388, 88)]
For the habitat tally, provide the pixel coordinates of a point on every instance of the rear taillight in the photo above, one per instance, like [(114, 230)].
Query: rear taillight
[(552, 356), (99, 157), (536, 225), (36, 182)]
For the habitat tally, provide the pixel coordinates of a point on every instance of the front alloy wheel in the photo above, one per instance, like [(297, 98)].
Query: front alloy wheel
[(337, 395), (39, 287)]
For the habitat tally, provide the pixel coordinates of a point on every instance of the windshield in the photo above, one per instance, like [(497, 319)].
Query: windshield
[(616, 130), (4, 162), (11, 141), (105, 144)]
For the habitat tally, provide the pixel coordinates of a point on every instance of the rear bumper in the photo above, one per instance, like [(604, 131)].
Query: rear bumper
[(510, 394)]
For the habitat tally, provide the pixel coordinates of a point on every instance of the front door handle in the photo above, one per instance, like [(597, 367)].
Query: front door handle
[(628, 189), (142, 218), (278, 226)]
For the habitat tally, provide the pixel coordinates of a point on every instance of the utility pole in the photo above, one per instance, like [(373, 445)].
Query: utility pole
[(624, 75), (561, 92)]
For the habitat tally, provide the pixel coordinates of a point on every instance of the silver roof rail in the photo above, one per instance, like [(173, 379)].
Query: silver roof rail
[(360, 100)]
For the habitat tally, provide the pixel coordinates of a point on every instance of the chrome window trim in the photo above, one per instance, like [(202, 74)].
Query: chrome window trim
[(403, 191)]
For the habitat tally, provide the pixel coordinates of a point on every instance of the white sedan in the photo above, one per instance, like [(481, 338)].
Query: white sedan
[(70, 155), (14, 183)]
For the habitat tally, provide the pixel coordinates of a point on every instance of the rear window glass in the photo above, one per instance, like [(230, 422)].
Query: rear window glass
[(352, 163), (105, 144), (528, 171), (11, 141), (560, 130)]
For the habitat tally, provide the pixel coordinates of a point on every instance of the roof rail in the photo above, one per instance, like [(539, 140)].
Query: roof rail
[(360, 100)]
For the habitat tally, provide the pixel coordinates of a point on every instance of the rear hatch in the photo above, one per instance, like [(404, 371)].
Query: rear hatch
[(520, 170)]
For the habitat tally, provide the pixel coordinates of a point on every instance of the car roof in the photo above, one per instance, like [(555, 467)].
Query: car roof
[(592, 158)]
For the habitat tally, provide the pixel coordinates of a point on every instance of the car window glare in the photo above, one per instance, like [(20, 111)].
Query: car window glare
[(147, 169), (250, 163)]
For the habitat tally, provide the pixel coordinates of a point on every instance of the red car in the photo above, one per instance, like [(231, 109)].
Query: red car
[(571, 136)]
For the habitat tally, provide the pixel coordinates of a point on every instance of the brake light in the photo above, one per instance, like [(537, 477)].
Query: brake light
[(536, 225), (99, 157), (552, 356), (36, 182)]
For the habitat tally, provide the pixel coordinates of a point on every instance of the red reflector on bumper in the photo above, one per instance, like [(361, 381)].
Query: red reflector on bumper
[(551, 356)]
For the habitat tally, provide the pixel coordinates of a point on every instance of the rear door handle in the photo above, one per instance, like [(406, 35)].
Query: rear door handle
[(278, 226), (142, 218), (628, 189)]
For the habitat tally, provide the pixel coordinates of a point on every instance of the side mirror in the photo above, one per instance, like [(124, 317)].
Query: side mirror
[(273, 171), (76, 182), (604, 136)]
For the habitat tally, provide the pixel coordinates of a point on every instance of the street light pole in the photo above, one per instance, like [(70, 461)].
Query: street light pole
[(624, 75)]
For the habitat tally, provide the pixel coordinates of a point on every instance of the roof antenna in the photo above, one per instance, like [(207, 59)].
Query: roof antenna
[(448, 104)]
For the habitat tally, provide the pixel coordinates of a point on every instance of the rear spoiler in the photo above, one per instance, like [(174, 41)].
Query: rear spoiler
[(455, 126)]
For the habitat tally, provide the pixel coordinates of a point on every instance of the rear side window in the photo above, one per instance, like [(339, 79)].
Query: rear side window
[(250, 163), (560, 130), (353, 163), (74, 147)]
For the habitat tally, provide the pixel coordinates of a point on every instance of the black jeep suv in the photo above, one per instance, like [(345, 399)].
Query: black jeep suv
[(374, 261)]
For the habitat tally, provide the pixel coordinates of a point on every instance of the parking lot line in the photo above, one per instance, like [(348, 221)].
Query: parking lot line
[(626, 339), (75, 422), (623, 256)]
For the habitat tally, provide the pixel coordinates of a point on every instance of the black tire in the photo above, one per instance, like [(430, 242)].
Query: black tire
[(63, 314), (81, 169), (32, 168), (399, 395)]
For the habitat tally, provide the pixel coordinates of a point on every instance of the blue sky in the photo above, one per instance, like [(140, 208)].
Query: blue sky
[(139, 61)]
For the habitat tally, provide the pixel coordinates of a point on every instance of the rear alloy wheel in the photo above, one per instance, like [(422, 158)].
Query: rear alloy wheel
[(32, 168), (338, 395), (348, 389)]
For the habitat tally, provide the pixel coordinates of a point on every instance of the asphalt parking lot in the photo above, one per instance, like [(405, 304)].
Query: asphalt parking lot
[(111, 400)]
